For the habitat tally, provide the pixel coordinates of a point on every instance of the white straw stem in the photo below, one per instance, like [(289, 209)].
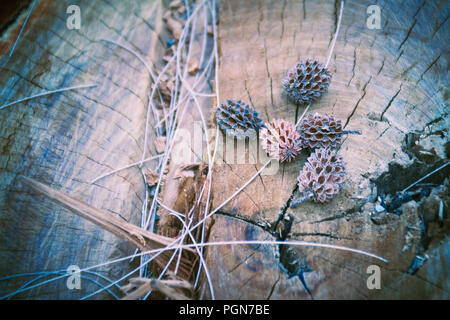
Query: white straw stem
[(47, 93), (206, 244), (125, 167), (426, 176), (336, 34)]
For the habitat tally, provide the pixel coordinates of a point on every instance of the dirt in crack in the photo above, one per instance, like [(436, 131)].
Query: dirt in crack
[(390, 184), (290, 261), (424, 181)]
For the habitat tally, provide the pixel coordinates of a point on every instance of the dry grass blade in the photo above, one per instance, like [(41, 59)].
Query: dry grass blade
[(140, 238), (47, 93)]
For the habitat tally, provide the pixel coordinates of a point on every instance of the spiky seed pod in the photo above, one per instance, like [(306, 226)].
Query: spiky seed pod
[(307, 81), (280, 140), (238, 119), (320, 131), (322, 175)]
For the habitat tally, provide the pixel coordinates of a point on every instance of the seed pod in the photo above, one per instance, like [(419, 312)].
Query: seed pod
[(238, 119), (307, 81), (321, 177), (321, 131), (281, 140)]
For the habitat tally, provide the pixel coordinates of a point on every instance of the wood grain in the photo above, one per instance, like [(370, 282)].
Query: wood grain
[(68, 139), (386, 82), (389, 83)]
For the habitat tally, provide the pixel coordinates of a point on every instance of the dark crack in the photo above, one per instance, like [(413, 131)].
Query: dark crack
[(408, 34), (390, 103), (358, 102)]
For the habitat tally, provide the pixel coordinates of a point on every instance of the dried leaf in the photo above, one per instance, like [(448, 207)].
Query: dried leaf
[(193, 67), (210, 31), (175, 27), (152, 177), (181, 10), (160, 144), (171, 288), (186, 170), (175, 4)]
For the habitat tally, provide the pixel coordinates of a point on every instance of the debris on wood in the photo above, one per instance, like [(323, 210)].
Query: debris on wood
[(186, 170), (417, 263), (182, 10), (175, 27), (210, 31), (160, 144), (165, 86), (185, 198), (176, 4), (193, 67), (172, 289), (152, 177)]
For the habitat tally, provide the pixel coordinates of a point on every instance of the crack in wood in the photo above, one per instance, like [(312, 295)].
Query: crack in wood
[(428, 68), (320, 234), (282, 19), (390, 102), (439, 26), (408, 34), (273, 287), (358, 102), (353, 68)]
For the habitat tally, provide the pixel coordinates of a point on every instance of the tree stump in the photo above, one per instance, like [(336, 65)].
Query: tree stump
[(67, 139), (391, 84)]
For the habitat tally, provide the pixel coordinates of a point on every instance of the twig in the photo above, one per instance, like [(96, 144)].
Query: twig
[(300, 200)]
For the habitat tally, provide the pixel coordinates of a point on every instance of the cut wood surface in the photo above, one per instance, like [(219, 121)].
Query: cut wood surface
[(68, 139), (388, 83)]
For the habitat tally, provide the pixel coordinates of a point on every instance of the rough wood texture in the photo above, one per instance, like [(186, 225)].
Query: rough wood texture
[(68, 139), (137, 237), (391, 84)]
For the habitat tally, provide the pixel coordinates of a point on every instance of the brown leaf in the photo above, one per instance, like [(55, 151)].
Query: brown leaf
[(210, 31), (193, 67), (160, 144), (174, 26), (175, 4), (186, 170), (171, 288), (181, 10), (152, 177)]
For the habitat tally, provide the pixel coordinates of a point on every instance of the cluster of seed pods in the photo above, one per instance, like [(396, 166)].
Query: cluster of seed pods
[(321, 177)]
